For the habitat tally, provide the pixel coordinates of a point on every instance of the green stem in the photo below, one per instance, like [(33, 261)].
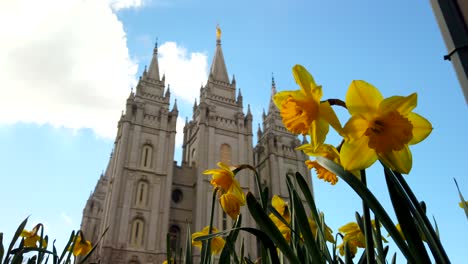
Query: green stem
[(257, 179), (207, 257), (367, 226)]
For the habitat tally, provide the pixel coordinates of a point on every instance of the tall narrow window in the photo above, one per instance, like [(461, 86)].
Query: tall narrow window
[(141, 199), (136, 238), (225, 154), (146, 155)]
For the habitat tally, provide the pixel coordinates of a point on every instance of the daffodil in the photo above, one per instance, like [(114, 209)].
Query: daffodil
[(328, 231), (323, 150), (354, 237), (282, 208), (31, 237), (217, 243), (302, 111), (82, 247), (232, 197), (461, 204), (380, 129), (166, 262)]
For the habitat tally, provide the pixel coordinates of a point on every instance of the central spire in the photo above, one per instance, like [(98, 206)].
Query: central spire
[(218, 71), (153, 71)]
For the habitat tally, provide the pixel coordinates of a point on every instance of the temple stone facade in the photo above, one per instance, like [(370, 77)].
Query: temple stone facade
[(143, 195)]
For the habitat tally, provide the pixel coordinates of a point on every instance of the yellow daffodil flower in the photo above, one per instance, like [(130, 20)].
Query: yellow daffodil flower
[(282, 207), (302, 111), (323, 150), (166, 262), (380, 129), (232, 197), (31, 238), (217, 243), (461, 204), (82, 247), (353, 236), (328, 231)]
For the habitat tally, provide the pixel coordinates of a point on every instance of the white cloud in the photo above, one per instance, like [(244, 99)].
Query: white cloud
[(185, 72), (120, 4), (66, 218), (180, 132), (65, 63)]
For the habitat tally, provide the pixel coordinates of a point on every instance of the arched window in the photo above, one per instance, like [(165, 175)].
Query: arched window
[(136, 237), (174, 234), (146, 154), (225, 154), (141, 199)]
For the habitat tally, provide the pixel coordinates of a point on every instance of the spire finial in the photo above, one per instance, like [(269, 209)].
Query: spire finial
[(218, 34), (156, 43), (273, 84)]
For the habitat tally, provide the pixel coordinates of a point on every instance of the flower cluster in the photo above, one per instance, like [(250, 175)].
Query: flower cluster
[(377, 129)]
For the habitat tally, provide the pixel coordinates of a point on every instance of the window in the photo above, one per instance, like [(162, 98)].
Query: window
[(146, 155), (225, 154), (136, 238), (142, 194), (174, 234), (177, 195)]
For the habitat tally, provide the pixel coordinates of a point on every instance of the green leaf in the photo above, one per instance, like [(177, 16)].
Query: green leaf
[(188, 245), (2, 249), (348, 256), (168, 248), (408, 227), (305, 189), (65, 250), (95, 246), (367, 196), (419, 214), (262, 236), (230, 241), (304, 227), (15, 237), (465, 207), (269, 228)]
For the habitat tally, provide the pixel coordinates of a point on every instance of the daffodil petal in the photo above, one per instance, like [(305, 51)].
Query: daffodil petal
[(236, 190), (402, 104), (279, 97), (363, 98), (304, 79), (355, 127), (400, 161), (212, 171), (223, 166), (356, 154), (278, 203), (421, 128), (318, 131), (326, 111)]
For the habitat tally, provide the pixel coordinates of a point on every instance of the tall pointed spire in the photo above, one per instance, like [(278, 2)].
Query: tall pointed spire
[(272, 107), (273, 85), (153, 71), (218, 69)]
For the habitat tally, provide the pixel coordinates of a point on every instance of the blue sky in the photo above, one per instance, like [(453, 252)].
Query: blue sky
[(67, 68)]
